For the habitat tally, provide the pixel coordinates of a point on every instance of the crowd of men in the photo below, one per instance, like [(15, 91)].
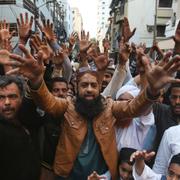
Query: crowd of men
[(69, 112)]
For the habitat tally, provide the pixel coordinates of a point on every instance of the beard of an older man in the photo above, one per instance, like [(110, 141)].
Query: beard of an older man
[(89, 108)]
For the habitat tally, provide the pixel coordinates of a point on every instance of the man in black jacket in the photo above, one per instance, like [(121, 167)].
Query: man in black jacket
[(18, 158)]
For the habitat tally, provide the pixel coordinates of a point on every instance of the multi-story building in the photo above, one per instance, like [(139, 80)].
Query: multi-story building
[(171, 26), (77, 21), (102, 19), (68, 17), (149, 17), (58, 12), (10, 10)]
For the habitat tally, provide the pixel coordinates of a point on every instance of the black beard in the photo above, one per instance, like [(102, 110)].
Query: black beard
[(89, 108)]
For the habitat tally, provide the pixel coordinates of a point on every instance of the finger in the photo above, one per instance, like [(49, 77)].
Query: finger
[(17, 58), (174, 68), (13, 71), (85, 49), (44, 22), (166, 58), (173, 80), (126, 22), (26, 18), (81, 34), (7, 26), (40, 58), (18, 22), (38, 40), (22, 19), (48, 22), (24, 50), (51, 25), (13, 63), (4, 24), (31, 22), (133, 32), (34, 45), (1, 25), (171, 62), (87, 37)]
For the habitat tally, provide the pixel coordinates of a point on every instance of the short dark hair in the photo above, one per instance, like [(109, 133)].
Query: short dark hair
[(174, 85), (175, 159), (125, 154), (5, 80), (51, 82)]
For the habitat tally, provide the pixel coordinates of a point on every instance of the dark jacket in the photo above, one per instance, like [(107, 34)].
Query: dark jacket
[(164, 118), (18, 158)]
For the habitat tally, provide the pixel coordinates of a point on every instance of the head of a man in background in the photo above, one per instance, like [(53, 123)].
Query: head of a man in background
[(58, 86), (11, 95), (175, 98)]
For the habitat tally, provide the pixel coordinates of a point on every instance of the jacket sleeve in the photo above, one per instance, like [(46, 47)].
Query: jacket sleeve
[(133, 108), (46, 101), (116, 82)]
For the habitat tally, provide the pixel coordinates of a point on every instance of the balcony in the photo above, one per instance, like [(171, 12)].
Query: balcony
[(164, 12), (164, 15)]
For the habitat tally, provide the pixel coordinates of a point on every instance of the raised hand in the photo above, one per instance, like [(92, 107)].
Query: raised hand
[(27, 66), (101, 62), (48, 31), (106, 45), (4, 56), (58, 58), (126, 31), (4, 31), (161, 74), (72, 39), (141, 155), (84, 44), (41, 46), (156, 48), (95, 176), (24, 27), (124, 51), (65, 49)]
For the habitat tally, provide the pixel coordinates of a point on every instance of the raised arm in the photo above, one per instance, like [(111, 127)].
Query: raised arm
[(157, 77), (33, 69)]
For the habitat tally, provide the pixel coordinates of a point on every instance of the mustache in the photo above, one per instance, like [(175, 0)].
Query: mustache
[(105, 83), (8, 109)]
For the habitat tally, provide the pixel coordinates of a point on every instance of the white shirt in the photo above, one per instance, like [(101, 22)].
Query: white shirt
[(169, 146), (147, 174), (133, 136)]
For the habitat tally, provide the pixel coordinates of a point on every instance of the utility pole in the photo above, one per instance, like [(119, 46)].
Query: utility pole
[(155, 23)]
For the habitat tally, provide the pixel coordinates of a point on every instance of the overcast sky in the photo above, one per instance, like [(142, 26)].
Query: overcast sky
[(88, 10)]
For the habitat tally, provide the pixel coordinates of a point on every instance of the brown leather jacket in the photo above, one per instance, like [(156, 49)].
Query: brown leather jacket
[(74, 127)]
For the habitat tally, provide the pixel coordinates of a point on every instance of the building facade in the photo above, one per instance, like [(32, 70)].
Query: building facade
[(102, 19), (77, 21), (40, 9), (149, 17)]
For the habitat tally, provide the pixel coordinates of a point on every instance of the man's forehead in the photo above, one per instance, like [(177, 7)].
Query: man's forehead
[(175, 90), (87, 77)]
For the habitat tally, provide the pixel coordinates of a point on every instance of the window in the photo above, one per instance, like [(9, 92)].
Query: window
[(8, 2), (161, 30), (13, 27), (165, 3)]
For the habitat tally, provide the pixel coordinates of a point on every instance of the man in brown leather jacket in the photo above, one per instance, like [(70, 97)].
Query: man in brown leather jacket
[(88, 141)]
